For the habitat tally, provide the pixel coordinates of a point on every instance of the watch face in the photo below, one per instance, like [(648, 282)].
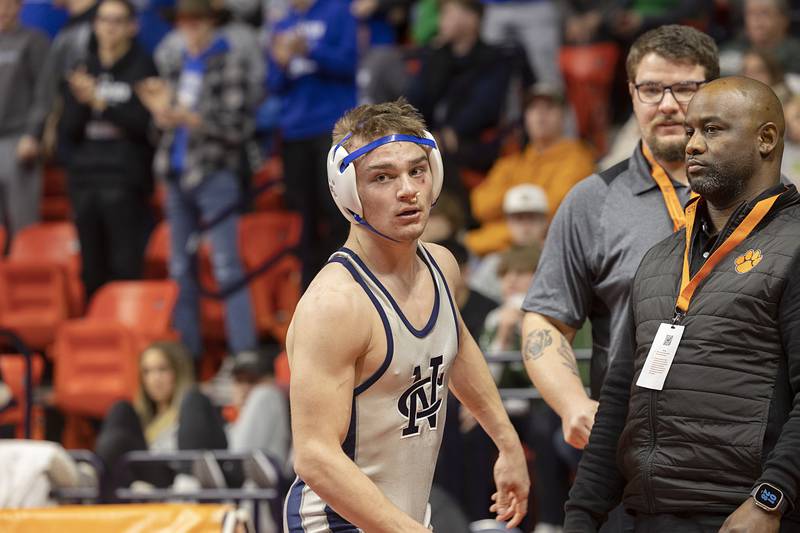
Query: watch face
[(768, 496)]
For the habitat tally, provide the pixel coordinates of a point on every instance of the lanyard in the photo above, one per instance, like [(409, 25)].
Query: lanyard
[(671, 200), (689, 286)]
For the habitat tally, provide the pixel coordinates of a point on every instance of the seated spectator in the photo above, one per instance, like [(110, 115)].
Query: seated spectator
[(23, 56), (501, 331), (446, 221), (201, 105), (790, 166), (151, 422), (526, 210), (460, 90), (550, 161), (263, 411), (766, 27), (473, 306), (762, 66), (104, 130)]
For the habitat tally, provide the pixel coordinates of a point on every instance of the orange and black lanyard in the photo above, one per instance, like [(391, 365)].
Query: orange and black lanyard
[(689, 286), (671, 200)]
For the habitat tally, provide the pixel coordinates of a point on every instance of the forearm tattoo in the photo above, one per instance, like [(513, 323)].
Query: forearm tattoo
[(535, 343), (566, 353)]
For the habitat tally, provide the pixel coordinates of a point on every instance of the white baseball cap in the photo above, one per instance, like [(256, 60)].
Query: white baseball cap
[(525, 199)]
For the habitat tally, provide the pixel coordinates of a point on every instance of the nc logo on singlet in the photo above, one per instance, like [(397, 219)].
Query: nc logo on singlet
[(421, 400)]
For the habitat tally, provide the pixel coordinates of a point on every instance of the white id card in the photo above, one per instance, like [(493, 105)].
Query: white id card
[(662, 351)]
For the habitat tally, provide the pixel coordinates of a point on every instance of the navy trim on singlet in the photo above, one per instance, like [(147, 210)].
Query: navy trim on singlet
[(335, 522), (449, 296), (434, 312), (293, 502), (386, 326)]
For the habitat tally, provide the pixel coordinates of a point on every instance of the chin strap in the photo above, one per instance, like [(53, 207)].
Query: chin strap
[(367, 225)]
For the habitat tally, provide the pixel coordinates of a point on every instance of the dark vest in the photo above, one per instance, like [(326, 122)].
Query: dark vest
[(697, 446)]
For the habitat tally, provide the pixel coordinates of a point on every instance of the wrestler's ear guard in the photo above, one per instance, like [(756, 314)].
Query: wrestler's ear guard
[(342, 171)]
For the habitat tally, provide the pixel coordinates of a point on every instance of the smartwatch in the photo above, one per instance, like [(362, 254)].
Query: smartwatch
[(770, 498)]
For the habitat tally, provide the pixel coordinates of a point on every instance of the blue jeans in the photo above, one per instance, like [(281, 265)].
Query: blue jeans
[(185, 210)]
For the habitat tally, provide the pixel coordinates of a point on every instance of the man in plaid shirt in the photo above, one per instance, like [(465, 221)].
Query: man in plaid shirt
[(201, 105)]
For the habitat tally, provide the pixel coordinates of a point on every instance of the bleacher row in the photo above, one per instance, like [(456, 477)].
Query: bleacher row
[(94, 346)]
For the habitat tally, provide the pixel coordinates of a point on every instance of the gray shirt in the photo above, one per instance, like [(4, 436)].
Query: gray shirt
[(595, 243), (22, 56)]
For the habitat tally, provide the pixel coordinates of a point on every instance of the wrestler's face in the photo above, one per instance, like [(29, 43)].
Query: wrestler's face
[(395, 186), (661, 123)]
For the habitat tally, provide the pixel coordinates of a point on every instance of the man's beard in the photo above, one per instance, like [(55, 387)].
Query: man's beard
[(671, 151), (722, 184)]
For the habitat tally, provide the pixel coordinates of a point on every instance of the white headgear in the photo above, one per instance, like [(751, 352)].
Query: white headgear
[(342, 171)]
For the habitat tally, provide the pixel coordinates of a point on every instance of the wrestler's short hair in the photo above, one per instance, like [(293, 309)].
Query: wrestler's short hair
[(371, 121)]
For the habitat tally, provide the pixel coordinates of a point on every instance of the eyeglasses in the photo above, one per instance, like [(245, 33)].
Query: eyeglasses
[(115, 21), (653, 93)]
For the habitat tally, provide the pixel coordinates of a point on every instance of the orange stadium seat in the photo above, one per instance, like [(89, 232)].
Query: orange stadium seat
[(275, 293), (53, 242), (12, 368), (156, 254), (96, 358), (54, 204), (589, 73)]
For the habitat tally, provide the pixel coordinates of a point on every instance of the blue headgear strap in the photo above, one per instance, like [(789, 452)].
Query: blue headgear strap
[(396, 137), (369, 226)]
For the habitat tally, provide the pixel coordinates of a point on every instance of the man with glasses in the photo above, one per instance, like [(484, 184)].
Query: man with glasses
[(104, 135), (606, 224)]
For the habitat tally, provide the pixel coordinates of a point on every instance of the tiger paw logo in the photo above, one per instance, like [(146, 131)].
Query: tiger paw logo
[(748, 261)]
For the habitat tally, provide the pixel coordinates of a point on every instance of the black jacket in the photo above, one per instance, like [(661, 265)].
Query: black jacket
[(112, 147), (727, 416)]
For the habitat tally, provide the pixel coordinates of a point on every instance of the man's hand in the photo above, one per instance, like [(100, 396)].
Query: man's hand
[(513, 484), (750, 518), (577, 423), (27, 148)]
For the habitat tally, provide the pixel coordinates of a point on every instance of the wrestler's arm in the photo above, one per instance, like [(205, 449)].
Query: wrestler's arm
[(474, 387), (328, 334)]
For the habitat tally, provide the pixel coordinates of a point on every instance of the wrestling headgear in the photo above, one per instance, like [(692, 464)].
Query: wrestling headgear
[(342, 171)]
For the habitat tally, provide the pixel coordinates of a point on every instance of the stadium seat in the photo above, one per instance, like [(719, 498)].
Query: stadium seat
[(33, 300), (54, 204), (96, 358), (12, 369), (589, 72), (274, 293), (54, 243), (156, 254)]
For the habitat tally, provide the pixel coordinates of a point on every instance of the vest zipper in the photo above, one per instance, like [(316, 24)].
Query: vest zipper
[(651, 453)]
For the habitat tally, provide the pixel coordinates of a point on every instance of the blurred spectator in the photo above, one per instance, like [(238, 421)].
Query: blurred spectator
[(205, 121), (379, 20), (790, 166), (534, 24), (263, 419), (550, 161), (48, 16), (70, 49), (446, 221), (501, 331), (151, 422), (766, 27), (526, 216), (22, 56), (312, 68), (473, 306), (104, 129), (460, 90), (762, 66)]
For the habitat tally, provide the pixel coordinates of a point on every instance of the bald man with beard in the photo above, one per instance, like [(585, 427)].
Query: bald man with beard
[(698, 428)]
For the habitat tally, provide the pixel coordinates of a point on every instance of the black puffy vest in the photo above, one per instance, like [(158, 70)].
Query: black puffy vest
[(697, 445)]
